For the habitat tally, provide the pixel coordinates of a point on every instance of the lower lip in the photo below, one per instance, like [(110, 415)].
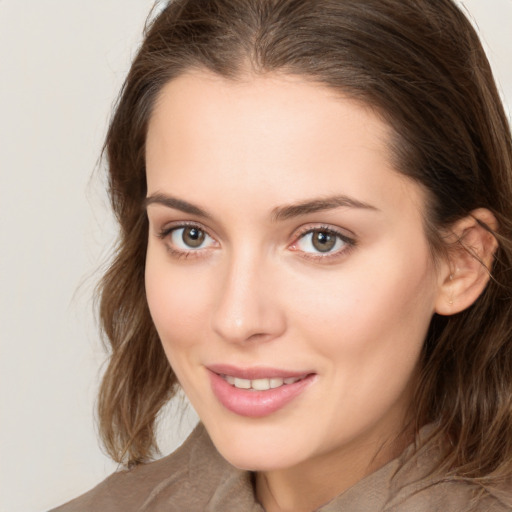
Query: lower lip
[(256, 404)]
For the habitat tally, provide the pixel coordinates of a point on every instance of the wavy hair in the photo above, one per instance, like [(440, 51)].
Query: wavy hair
[(420, 64)]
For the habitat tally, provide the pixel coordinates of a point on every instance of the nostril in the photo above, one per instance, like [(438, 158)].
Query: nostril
[(257, 336)]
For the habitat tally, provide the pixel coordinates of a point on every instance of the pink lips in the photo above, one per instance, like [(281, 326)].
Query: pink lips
[(251, 403)]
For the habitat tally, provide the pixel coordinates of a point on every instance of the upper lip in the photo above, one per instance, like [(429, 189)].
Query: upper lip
[(255, 372)]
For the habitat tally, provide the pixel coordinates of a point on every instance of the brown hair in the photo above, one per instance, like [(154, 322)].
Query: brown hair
[(420, 64)]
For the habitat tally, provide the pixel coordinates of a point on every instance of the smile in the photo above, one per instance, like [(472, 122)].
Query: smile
[(257, 392), (260, 384)]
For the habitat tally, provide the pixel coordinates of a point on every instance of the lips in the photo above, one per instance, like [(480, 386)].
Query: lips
[(256, 392), (255, 372)]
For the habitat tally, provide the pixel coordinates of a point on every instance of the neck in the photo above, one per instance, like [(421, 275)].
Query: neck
[(313, 483)]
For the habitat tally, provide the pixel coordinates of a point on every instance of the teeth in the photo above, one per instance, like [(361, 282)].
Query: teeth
[(242, 383), (276, 383), (259, 384)]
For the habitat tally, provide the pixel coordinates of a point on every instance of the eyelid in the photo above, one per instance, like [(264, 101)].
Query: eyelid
[(168, 227), (322, 226)]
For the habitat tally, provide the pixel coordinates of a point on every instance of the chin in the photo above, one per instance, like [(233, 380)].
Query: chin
[(257, 460), (252, 451)]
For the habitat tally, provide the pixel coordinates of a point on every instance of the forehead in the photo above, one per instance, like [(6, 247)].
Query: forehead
[(279, 137), (263, 106)]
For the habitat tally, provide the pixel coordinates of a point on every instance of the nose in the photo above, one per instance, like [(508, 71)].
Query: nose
[(247, 306)]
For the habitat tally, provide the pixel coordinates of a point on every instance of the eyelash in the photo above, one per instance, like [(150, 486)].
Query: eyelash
[(349, 242)]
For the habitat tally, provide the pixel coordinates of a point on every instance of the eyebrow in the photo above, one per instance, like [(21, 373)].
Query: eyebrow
[(176, 204), (318, 205), (279, 213)]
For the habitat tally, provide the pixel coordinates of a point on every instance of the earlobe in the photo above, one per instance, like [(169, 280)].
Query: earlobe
[(467, 271)]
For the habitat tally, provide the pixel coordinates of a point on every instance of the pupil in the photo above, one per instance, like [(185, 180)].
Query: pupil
[(323, 241), (193, 237)]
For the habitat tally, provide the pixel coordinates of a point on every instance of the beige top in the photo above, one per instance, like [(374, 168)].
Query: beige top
[(195, 478)]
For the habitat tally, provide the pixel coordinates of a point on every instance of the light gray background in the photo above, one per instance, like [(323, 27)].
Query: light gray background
[(61, 65)]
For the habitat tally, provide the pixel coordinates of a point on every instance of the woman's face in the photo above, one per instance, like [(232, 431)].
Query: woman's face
[(288, 273)]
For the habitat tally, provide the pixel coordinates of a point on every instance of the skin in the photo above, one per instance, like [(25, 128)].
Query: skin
[(258, 293)]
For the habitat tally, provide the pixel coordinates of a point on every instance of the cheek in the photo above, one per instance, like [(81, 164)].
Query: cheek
[(368, 327), (176, 307), (363, 310)]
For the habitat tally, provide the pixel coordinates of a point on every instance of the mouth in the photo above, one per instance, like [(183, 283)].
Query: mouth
[(257, 392)]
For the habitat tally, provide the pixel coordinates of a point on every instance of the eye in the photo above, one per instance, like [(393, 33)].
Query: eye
[(187, 238), (322, 241)]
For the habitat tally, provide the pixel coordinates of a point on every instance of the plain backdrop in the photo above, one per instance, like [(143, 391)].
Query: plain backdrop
[(61, 65)]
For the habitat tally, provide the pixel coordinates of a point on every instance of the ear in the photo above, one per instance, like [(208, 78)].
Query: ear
[(466, 269)]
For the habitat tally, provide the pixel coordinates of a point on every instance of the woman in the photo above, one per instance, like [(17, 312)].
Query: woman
[(315, 202)]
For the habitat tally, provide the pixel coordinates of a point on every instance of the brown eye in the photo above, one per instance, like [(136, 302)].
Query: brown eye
[(323, 241), (189, 238), (193, 237)]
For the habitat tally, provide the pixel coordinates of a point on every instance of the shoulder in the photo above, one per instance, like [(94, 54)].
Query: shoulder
[(414, 482), (455, 496), (417, 486), (132, 490)]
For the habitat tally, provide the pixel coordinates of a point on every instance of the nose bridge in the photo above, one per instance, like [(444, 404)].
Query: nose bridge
[(247, 307)]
